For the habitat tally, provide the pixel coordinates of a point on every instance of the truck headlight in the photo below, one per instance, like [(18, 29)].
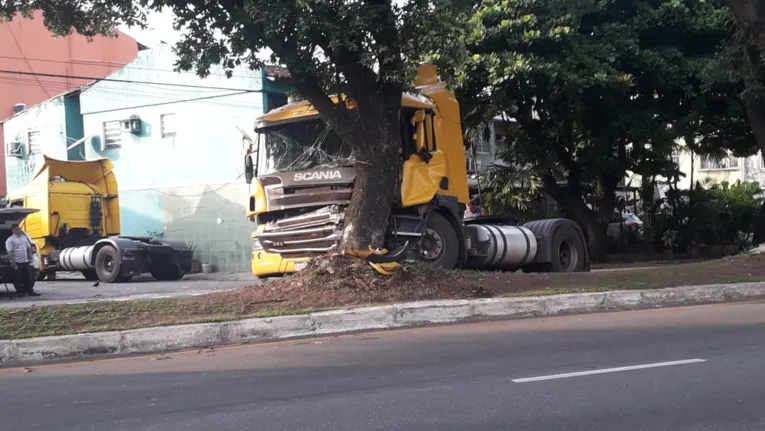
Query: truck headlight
[(256, 246)]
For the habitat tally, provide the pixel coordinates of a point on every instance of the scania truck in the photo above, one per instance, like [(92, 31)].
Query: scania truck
[(302, 176)]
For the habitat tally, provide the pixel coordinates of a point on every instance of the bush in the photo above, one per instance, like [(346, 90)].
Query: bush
[(722, 214)]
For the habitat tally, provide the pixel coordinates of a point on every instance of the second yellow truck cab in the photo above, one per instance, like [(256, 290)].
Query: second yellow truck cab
[(77, 227), (302, 177)]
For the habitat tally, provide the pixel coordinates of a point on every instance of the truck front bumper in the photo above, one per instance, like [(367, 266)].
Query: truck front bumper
[(265, 264)]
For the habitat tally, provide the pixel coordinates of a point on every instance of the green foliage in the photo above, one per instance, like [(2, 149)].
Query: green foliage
[(599, 89), (720, 214), (511, 192)]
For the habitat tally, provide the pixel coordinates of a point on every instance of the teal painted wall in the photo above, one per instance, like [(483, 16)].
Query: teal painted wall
[(189, 185), (74, 126)]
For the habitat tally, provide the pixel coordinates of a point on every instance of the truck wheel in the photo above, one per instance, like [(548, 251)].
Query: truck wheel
[(439, 245), (90, 275), (167, 273), (40, 276), (567, 250), (108, 264)]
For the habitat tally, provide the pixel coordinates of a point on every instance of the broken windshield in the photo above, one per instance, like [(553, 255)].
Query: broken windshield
[(300, 146)]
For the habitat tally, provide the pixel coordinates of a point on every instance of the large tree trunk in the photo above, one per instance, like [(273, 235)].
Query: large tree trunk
[(755, 110), (593, 223), (374, 194), (750, 20)]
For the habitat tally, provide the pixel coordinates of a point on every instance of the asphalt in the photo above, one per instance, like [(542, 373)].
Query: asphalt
[(72, 288), (460, 377)]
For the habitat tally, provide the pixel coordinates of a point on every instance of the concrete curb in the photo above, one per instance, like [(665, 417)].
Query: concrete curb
[(170, 338)]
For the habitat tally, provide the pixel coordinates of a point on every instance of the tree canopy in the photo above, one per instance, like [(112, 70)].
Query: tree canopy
[(597, 89), (366, 51)]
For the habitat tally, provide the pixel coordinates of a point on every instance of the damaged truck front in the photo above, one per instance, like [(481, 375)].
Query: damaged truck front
[(305, 176)]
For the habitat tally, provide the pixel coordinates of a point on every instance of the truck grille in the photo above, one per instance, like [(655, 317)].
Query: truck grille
[(305, 235)]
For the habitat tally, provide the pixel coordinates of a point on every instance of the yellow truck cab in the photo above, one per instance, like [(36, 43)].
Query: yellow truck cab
[(76, 226), (302, 176)]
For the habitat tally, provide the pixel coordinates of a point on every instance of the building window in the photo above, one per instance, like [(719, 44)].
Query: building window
[(714, 164), (167, 124), (14, 148), (33, 142), (112, 134)]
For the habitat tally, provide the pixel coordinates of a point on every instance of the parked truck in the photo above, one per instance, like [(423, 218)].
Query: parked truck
[(77, 227), (302, 177)]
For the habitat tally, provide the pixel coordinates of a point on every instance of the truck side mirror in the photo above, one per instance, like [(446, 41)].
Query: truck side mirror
[(249, 169)]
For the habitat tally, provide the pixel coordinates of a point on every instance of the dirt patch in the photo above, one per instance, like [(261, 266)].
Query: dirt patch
[(339, 282), (343, 281)]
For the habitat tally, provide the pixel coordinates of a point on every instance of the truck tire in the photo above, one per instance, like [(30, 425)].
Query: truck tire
[(567, 250), (108, 264), (439, 245), (90, 275), (41, 276), (167, 273)]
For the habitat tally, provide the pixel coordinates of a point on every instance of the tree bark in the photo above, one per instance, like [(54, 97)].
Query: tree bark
[(593, 222), (750, 20), (755, 111), (374, 195)]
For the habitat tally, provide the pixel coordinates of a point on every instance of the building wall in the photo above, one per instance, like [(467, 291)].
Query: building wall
[(27, 46), (186, 182), (49, 119)]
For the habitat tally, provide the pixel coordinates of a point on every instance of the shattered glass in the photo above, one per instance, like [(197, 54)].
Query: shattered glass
[(301, 146)]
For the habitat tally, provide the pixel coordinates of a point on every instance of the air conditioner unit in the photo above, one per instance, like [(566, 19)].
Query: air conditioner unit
[(15, 149), (132, 125)]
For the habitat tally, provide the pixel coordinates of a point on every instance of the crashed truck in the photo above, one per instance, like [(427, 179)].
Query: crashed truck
[(77, 226), (302, 177)]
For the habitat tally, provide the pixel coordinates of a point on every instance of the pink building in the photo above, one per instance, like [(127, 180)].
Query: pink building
[(28, 47)]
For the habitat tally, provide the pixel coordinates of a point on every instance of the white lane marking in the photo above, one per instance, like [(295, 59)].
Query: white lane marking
[(607, 370)]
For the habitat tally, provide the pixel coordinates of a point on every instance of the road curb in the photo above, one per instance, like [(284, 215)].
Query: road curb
[(171, 338)]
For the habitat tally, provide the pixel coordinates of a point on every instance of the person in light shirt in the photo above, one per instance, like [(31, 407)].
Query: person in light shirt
[(19, 249), (473, 211)]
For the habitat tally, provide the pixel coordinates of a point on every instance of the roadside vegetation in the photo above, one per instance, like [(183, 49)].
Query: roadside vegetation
[(349, 284)]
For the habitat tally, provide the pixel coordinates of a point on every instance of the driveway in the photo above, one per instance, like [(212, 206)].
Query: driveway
[(73, 289)]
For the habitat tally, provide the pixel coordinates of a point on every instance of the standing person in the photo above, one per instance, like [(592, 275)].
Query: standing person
[(473, 211), (19, 249)]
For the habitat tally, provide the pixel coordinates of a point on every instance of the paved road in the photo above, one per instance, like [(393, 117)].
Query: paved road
[(71, 289), (462, 377)]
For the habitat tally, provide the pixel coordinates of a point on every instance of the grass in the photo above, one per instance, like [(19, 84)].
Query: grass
[(353, 286), (114, 316)]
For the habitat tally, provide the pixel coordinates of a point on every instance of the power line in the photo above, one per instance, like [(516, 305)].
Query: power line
[(118, 96), (171, 102), (101, 63), (130, 81)]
